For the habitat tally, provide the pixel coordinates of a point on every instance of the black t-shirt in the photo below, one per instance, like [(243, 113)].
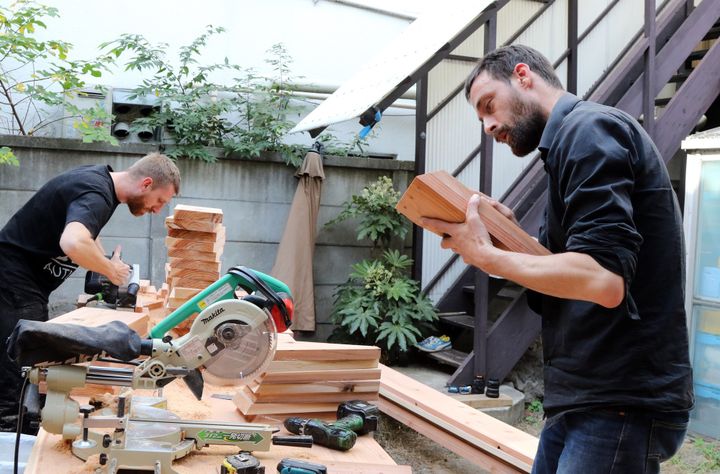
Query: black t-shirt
[(610, 197), (31, 259)]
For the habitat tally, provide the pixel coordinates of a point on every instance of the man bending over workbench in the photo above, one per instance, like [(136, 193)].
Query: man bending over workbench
[(55, 232)]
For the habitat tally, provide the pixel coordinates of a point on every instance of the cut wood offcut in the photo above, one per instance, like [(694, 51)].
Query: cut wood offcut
[(441, 196)]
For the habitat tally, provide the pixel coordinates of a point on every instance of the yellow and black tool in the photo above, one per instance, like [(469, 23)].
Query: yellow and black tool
[(242, 463)]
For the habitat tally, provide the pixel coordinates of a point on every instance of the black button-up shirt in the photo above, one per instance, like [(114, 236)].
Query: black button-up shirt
[(609, 196)]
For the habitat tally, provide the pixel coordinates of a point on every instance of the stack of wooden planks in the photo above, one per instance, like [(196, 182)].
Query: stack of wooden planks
[(195, 241), (312, 378)]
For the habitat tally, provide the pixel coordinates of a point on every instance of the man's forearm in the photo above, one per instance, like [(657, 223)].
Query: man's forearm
[(78, 244), (567, 275)]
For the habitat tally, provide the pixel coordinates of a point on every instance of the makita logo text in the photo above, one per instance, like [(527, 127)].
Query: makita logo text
[(213, 315)]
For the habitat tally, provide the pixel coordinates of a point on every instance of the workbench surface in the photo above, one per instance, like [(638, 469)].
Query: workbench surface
[(365, 457)]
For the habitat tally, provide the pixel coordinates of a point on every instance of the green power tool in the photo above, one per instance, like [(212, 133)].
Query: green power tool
[(354, 417)]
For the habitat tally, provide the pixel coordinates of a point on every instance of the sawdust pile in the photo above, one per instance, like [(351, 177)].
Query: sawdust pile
[(63, 446), (184, 404)]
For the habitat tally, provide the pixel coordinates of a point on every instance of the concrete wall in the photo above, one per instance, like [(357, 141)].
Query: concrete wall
[(255, 197)]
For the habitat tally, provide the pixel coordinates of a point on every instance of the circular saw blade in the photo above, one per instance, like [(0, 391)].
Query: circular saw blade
[(250, 339)]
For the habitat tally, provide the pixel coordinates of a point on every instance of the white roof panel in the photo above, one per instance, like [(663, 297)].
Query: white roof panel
[(411, 49)]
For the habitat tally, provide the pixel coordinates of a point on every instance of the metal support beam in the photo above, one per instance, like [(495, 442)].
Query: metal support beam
[(421, 121), (572, 42), (481, 296), (649, 67)]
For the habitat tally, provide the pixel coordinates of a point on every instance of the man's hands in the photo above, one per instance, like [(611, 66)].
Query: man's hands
[(121, 270), (78, 244), (470, 239), (569, 275)]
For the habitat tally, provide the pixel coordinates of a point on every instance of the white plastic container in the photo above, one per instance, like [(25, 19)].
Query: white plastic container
[(7, 452)]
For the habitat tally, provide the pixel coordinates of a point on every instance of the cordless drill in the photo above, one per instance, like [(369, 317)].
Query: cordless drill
[(354, 417)]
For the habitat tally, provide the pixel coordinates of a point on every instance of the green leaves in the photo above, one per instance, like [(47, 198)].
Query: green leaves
[(25, 89), (248, 116), (375, 207), (7, 157), (381, 304)]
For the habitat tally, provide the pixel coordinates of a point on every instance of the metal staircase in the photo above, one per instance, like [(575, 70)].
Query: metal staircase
[(668, 76)]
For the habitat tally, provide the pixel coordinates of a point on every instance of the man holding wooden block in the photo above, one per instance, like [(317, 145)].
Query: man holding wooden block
[(55, 232), (618, 381)]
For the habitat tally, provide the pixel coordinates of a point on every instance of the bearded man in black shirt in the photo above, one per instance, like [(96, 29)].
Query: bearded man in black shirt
[(618, 380), (55, 232)]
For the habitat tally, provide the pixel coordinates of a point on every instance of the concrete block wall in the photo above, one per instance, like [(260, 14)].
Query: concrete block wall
[(254, 194)]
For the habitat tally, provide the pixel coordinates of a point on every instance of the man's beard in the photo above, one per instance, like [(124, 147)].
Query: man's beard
[(136, 204), (524, 136)]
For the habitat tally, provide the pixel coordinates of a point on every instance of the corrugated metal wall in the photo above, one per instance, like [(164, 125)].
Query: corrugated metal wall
[(454, 132)]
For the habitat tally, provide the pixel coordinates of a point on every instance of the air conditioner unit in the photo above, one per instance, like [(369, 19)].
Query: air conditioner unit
[(126, 110), (85, 99)]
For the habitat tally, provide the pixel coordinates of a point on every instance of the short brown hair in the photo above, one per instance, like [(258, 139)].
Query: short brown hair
[(159, 167), (501, 63)]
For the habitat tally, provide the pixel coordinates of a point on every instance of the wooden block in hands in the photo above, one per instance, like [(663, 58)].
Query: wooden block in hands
[(441, 196)]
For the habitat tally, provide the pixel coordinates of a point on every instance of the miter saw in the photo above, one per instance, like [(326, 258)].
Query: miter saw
[(231, 339)]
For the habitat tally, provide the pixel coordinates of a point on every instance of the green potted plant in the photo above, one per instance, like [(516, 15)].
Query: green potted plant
[(379, 303)]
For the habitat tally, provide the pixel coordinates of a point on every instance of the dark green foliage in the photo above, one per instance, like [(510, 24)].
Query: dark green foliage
[(375, 207), (248, 116), (382, 304), (379, 303)]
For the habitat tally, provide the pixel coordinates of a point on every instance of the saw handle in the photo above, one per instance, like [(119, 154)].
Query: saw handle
[(223, 289)]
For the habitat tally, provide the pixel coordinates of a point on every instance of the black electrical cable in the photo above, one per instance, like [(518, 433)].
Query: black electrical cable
[(19, 424)]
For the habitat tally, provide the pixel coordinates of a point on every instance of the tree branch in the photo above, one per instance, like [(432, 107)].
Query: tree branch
[(12, 108)]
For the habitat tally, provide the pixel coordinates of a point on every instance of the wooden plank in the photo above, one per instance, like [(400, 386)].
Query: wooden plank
[(315, 375), (441, 196), (195, 254), (289, 349), (457, 445), (148, 302), (193, 274), (172, 222), (310, 397), (198, 213), (485, 432), (181, 292), (365, 468), (306, 365), (198, 246), (244, 402), (190, 282), (92, 317), (290, 389), (197, 236), (194, 263)]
